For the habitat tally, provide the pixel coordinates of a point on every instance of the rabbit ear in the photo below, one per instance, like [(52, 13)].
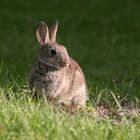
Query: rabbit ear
[(42, 33), (53, 31)]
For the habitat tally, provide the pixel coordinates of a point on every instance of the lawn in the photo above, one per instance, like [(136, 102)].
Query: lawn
[(103, 37)]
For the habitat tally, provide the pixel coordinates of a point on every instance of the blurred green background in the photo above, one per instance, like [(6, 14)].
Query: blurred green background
[(102, 36)]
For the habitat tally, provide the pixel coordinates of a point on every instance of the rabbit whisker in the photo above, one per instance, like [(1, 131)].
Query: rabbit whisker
[(46, 63)]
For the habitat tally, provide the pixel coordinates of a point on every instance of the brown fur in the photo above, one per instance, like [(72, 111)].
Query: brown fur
[(57, 78)]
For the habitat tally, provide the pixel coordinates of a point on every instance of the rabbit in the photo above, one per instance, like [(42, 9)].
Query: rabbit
[(56, 77)]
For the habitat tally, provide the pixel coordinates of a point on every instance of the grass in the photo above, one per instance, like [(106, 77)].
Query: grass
[(21, 118), (102, 36)]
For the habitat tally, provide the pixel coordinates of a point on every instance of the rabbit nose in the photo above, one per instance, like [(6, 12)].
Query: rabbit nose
[(63, 63)]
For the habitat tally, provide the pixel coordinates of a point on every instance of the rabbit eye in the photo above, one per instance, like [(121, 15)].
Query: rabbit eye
[(53, 52)]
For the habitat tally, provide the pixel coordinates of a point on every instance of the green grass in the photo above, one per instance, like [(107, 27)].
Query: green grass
[(103, 36)]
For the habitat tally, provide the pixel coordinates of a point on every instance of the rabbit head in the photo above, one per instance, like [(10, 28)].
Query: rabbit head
[(50, 52)]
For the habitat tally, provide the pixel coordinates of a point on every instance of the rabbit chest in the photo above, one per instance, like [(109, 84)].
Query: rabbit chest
[(54, 82), (51, 81)]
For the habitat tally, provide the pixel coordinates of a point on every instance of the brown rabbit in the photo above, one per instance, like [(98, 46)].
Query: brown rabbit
[(55, 76)]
